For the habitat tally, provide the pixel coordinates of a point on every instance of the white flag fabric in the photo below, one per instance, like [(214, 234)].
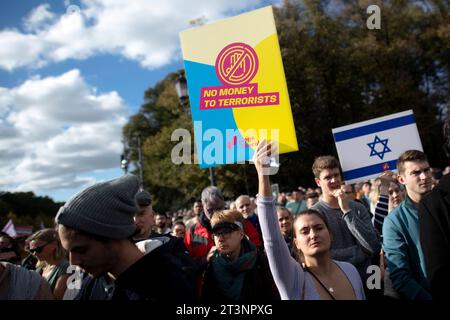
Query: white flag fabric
[(10, 229), (368, 148)]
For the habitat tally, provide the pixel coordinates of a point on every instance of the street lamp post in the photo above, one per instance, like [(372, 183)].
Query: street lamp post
[(183, 95), (182, 91), (125, 158), (141, 167), (212, 176), (124, 161)]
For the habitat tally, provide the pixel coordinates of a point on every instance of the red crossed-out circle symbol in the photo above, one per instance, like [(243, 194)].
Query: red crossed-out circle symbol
[(236, 64)]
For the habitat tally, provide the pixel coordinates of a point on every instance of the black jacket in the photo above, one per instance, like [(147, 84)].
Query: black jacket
[(175, 246), (156, 277), (434, 220)]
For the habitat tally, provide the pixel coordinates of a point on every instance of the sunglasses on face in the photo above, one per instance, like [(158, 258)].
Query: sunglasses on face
[(225, 233), (38, 249)]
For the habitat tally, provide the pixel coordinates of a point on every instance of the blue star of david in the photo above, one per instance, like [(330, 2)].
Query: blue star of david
[(374, 152)]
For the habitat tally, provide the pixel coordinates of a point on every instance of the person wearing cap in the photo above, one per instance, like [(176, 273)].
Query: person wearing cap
[(237, 271), (96, 228), (144, 217), (198, 239)]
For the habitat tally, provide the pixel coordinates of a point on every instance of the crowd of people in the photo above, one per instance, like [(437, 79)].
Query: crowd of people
[(320, 243)]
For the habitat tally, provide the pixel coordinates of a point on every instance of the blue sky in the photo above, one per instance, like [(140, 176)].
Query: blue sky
[(72, 73)]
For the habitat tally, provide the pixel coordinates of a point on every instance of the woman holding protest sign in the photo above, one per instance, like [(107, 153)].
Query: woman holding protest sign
[(315, 276)]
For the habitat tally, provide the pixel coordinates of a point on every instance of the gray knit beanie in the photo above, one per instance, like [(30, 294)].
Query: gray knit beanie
[(105, 209), (143, 198)]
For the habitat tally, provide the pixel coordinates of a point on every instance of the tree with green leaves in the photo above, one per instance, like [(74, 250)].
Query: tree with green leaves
[(338, 72), (25, 208)]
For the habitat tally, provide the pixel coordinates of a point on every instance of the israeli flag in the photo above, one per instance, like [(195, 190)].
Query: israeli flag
[(368, 148), (10, 229)]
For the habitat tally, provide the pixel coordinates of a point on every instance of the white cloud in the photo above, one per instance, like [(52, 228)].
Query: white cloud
[(57, 130), (39, 17), (18, 49), (141, 30)]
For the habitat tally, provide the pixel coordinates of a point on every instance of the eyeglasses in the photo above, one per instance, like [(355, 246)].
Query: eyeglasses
[(225, 233), (38, 249)]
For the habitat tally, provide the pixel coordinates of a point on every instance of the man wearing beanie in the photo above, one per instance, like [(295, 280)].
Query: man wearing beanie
[(144, 217), (96, 227)]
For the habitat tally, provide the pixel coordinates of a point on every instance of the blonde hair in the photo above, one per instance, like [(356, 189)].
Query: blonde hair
[(48, 236), (226, 216)]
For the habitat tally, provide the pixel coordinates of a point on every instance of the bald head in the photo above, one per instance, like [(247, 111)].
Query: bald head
[(244, 205)]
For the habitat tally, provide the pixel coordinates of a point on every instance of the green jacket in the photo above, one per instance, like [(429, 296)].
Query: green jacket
[(405, 260)]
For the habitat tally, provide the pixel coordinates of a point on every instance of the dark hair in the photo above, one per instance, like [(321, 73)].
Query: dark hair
[(143, 199), (179, 222), (311, 212), (322, 163), (312, 195), (12, 247), (283, 208), (352, 186), (141, 210), (397, 183), (72, 232), (161, 214), (410, 155), (319, 214)]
